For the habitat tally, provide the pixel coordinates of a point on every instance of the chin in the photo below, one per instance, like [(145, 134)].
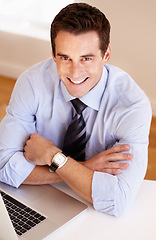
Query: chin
[(76, 94)]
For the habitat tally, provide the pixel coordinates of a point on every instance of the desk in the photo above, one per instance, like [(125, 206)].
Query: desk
[(138, 223)]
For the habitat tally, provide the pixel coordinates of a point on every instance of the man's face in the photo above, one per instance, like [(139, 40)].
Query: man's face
[(79, 61)]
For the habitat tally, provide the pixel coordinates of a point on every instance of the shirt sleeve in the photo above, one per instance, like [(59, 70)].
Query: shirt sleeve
[(112, 194), (15, 129)]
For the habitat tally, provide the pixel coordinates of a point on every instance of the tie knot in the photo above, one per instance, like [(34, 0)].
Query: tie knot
[(78, 105)]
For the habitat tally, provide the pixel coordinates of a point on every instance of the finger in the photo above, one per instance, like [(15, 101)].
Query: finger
[(121, 156), (34, 135), (111, 171), (117, 165), (117, 149), (111, 167), (117, 157)]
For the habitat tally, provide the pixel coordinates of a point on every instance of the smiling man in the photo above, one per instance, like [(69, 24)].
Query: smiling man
[(79, 61), (78, 103)]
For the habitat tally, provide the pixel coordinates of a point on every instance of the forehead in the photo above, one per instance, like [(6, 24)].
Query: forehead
[(83, 42)]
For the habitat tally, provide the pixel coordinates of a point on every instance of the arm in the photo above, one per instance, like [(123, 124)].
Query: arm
[(79, 177), (26, 104), (41, 175), (15, 129), (109, 193), (116, 193)]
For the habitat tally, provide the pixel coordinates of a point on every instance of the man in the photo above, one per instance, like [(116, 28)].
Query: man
[(116, 117)]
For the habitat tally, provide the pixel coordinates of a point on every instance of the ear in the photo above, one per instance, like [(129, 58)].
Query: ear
[(107, 54)]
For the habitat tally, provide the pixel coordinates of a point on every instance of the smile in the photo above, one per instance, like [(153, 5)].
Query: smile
[(79, 81)]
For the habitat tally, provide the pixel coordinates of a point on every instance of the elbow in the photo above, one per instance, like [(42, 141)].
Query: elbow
[(10, 183), (112, 209), (116, 204), (112, 197), (5, 178)]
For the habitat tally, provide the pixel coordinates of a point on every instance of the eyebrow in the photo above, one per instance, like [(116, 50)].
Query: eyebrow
[(61, 55), (83, 56), (88, 55)]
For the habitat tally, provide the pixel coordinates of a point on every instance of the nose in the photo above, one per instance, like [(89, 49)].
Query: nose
[(75, 70)]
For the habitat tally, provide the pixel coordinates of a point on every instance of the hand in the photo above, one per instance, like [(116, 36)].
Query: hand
[(39, 150), (108, 161)]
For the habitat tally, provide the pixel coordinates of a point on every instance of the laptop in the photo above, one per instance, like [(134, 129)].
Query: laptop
[(34, 212)]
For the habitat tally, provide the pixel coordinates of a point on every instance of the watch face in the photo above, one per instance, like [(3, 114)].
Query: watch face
[(59, 159)]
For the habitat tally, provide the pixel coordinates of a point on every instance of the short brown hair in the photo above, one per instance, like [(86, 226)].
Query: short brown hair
[(79, 18)]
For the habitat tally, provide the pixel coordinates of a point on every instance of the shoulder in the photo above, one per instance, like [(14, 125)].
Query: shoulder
[(122, 88), (118, 79), (40, 76), (41, 71), (128, 106)]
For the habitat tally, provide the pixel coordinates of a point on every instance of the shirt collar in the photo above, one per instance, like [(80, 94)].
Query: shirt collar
[(93, 97)]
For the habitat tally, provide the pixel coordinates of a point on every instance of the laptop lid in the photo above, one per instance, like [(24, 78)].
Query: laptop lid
[(58, 207)]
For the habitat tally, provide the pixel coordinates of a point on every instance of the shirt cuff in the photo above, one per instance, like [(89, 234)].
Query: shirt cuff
[(16, 170)]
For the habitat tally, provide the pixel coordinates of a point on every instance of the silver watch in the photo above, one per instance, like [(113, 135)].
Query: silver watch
[(58, 161)]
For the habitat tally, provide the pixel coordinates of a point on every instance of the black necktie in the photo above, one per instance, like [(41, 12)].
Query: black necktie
[(75, 137)]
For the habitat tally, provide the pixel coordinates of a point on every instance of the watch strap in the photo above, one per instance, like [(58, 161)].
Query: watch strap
[(65, 154), (53, 166)]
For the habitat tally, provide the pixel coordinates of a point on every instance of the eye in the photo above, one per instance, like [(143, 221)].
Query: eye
[(65, 58), (86, 59)]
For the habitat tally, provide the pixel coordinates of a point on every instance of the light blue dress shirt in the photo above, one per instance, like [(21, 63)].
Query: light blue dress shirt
[(118, 112)]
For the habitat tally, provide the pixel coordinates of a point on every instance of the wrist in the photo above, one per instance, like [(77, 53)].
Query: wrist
[(53, 150), (58, 161)]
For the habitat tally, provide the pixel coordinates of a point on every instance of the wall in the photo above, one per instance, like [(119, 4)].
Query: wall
[(133, 38), (19, 52)]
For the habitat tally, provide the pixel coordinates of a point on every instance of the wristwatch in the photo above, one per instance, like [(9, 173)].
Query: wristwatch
[(58, 161)]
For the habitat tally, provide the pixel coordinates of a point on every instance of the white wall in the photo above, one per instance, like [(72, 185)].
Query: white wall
[(19, 52), (133, 38)]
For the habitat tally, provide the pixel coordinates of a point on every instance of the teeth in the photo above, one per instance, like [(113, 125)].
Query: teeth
[(78, 82)]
